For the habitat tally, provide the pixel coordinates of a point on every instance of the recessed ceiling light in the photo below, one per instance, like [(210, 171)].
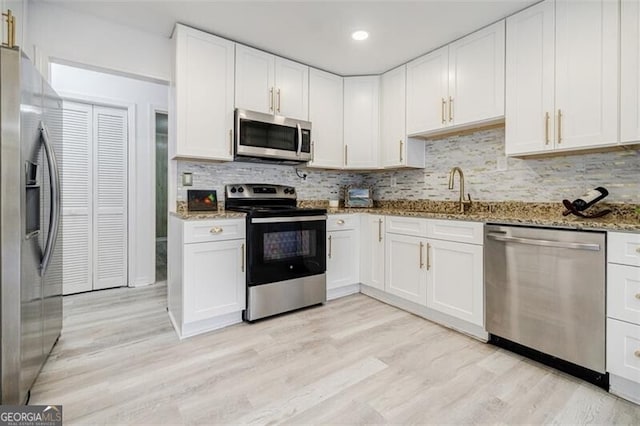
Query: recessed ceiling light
[(360, 35)]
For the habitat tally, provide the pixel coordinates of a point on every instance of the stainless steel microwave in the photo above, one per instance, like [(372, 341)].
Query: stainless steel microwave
[(271, 137)]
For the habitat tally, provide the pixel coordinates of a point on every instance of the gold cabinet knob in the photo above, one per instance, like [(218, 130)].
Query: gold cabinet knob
[(216, 230), (340, 222), (637, 295), (637, 353), (637, 249)]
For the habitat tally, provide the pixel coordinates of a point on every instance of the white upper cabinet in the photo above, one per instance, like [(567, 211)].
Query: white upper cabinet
[(630, 72), (326, 116), (270, 84), (255, 80), (396, 149), (361, 122), (530, 80), (292, 89), (586, 73), (476, 76), (459, 86), (562, 77), (393, 117), (428, 91), (202, 89)]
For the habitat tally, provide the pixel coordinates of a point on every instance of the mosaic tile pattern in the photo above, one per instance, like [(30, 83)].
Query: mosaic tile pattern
[(539, 180), (319, 184), (478, 154)]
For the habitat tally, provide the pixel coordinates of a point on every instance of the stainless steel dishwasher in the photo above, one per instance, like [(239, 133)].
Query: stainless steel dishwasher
[(545, 296)]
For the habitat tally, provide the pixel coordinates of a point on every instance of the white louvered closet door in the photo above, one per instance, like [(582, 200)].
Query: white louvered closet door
[(77, 220), (110, 197)]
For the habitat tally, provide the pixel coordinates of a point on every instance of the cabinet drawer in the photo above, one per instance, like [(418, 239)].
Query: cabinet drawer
[(623, 349), (200, 231), (624, 248), (623, 293), (413, 226), (337, 222), (453, 230)]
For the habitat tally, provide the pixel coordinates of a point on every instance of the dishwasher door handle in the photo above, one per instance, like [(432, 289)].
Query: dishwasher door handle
[(544, 243)]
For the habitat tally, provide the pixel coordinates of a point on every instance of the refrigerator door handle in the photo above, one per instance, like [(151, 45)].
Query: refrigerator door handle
[(54, 214)]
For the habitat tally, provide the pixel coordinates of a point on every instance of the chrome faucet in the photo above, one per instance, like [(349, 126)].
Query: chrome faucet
[(462, 201)]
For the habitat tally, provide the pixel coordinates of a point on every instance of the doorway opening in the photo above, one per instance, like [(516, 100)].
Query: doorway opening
[(162, 156)]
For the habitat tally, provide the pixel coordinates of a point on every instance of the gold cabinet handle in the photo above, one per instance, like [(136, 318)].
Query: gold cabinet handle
[(340, 222), (242, 264), (230, 141), (450, 108), (271, 99), (216, 230), (546, 128), (421, 262), (637, 353), (428, 257), (11, 29), (444, 106), (401, 150), (346, 155), (637, 249), (279, 100), (329, 246), (638, 296), (379, 230), (559, 126)]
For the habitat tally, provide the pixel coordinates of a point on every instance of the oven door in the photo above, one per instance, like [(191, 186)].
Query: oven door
[(269, 136), (284, 248)]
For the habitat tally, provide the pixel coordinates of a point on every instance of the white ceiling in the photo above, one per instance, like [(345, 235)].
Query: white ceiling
[(316, 32)]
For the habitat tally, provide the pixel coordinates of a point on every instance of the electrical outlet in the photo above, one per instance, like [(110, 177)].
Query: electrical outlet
[(394, 181)]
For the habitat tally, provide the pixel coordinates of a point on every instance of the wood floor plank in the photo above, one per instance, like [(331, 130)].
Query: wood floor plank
[(352, 361)]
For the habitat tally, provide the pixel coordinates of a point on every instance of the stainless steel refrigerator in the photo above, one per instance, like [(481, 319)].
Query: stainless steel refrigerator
[(30, 233)]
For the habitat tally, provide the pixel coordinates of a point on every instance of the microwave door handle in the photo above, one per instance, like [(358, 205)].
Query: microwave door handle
[(299, 140)]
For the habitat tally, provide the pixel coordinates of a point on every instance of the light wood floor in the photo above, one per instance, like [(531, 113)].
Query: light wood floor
[(355, 360)]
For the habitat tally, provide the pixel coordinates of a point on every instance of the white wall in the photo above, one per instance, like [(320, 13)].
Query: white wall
[(143, 97), (67, 35)]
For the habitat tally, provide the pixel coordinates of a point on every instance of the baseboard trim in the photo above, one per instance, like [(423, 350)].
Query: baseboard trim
[(624, 388), (336, 293)]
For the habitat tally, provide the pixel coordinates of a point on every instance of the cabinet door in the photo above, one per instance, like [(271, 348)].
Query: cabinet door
[(292, 89), (586, 73), (630, 72), (427, 92), (455, 280), (372, 241), (393, 117), (529, 115), (255, 80), (326, 115), (342, 259), (405, 271), (204, 95), (361, 131), (214, 279), (476, 76)]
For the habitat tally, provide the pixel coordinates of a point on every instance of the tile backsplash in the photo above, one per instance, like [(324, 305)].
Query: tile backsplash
[(489, 176)]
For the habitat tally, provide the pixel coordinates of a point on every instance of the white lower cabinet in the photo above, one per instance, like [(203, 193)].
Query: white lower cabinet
[(454, 280), (372, 241), (206, 285), (623, 314), (406, 275), (343, 255)]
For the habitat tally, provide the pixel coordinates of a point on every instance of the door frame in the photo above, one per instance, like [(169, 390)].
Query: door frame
[(131, 161)]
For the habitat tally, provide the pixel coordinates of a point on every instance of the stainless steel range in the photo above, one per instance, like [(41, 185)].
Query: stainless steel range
[(286, 249)]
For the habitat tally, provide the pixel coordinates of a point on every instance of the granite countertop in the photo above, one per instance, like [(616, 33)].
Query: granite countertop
[(624, 217)]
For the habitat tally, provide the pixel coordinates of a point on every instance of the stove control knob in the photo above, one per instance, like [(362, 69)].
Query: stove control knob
[(241, 190), (292, 191), (233, 190), (286, 190)]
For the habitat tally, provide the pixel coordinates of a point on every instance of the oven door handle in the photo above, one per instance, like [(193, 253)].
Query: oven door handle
[(289, 219), (299, 150), (544, 243)]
